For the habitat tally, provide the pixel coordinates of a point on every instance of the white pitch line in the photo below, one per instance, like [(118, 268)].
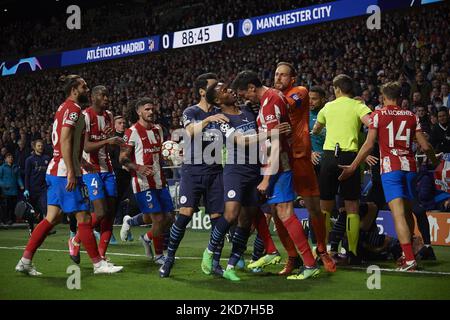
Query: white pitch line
[(224, 259), (394, 270), (109, 253)]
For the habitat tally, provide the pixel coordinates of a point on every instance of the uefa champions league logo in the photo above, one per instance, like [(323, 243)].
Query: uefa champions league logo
[(32, 62), (247, 27)]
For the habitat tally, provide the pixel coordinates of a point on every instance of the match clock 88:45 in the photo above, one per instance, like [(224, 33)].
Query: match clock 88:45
[(197, 36)]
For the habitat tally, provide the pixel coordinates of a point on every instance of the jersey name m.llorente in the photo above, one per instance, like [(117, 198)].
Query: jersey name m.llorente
[(396, 131), (68, 115), (95, 128), (273, 111), (146, 150), (194, 160)]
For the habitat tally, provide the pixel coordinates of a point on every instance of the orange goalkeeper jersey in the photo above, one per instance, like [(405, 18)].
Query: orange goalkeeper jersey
[(298, 99)]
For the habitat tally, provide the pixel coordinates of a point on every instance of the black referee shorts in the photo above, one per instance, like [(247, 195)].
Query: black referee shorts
[(329, 184)]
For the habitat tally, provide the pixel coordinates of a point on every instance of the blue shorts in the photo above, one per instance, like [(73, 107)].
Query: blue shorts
[(193, 187), (154, 201), (398, 184), (242, 188), (281, 188), (68, 202), (100, 185)]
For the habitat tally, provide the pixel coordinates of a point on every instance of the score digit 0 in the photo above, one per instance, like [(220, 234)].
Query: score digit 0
[(166, 41), (230, 30)]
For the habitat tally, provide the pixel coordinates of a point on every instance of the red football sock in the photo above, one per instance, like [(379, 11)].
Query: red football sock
[(94, 220), (318, 224), (88, 240), (297, 234), (264, 233), (77, 237), (106, 227), (158, 242), (286, 240), (37, 237), (408, 251)]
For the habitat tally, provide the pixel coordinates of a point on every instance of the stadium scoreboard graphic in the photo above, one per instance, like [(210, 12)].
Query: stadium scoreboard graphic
[(110, 51), (207, 34)]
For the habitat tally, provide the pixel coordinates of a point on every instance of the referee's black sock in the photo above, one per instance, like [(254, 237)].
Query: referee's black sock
[(338, 231)]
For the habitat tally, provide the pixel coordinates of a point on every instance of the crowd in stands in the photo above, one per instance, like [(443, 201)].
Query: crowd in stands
[(410, 47), (122, 20)]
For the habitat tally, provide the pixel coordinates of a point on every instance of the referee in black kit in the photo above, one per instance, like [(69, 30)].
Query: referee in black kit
[(342, 118)]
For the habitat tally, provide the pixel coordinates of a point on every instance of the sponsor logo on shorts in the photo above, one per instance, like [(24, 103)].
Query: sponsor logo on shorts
[(95, 192), (231, 194), (183, 200)]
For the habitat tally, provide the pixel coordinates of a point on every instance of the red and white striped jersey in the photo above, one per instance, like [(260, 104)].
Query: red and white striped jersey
[(146, 147), (273, 111), (68, 115), (396, 131), (95, 129)]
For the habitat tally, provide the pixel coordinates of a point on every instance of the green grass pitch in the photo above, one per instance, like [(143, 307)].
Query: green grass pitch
[(140, 279)]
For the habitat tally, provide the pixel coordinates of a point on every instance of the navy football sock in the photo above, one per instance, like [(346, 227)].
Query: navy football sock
[(177, 234), (240, 239), (338, 231), (219, 247), (218, 234), (258, 248), (137, 220)]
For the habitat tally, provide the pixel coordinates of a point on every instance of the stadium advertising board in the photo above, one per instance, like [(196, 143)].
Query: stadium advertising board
[(111, 51), (304, 16), (439, 224)]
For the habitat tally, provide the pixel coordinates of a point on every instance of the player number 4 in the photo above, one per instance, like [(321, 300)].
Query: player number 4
[(94, 183)]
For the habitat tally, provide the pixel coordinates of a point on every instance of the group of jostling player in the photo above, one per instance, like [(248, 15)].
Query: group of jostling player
[(238, 192)]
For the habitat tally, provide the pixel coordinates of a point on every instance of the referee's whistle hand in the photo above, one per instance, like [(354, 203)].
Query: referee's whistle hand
[(347, 172)]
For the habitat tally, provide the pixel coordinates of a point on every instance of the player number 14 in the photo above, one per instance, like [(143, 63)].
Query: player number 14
[(399, 136)]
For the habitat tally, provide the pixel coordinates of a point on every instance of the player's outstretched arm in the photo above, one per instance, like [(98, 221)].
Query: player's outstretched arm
[(90, 146), (317, 129), (194, 129), (366, 149), (245, 140), (366, 120), (125, 160), (426, 147)]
